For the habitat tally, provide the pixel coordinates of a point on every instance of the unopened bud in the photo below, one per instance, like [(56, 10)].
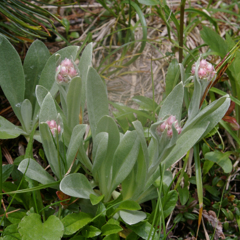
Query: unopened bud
[(205, 70), (54, 127), (66, 71), (167, 124)]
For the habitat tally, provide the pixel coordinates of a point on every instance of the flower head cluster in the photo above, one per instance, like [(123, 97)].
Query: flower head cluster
[(54, 127), (167, 124), (205, 70), (66, 71)]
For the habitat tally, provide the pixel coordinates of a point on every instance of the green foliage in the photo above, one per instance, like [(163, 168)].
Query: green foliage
[(24, 21), (50, 229), (104, 170)]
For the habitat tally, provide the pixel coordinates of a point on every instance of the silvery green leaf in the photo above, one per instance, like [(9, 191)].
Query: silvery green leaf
[(97, 100), (35, 171), (48, 109), (41, 92), (51, 151), (76, 185), (84, 63), (12, 78), (26, 112), (185, 141), (108, 125), (173, 103), (125, 157), (172, 76), (133, 184), (73, 102), (132, 217), (100, 148), (34, 62), (9, 130), (75, 142), (213, 113)]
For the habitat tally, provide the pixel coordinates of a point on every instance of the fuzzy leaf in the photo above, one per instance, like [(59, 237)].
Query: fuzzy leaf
[(26, 112), (76, 185), (12, 78), (34, 62), (84, 63), (173, 103), (132, 217), (9, 130), (97, 101), (35, 171), (73, 102), (125, 157), (75, 142)]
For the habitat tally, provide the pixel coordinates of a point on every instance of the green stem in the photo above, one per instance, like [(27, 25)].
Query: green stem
[(182, 7), (198, 182)]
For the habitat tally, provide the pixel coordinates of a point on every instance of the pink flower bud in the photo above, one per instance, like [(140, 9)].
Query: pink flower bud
[(179, 129), (72, 72), (170, 132), (67, 63), (202, 73), (167, 124), (171, 120), (54, 128), (205, 70), (203, 63), (59, 78), (163, 126), (66, 71)]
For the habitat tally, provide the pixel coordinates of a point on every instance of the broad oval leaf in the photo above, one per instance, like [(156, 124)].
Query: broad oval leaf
[(35, 171), (132, 217), (76, 185)]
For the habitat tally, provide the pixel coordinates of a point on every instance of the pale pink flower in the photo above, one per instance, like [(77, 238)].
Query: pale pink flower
[(167, 124), (66, 71), (205, 70), (54, 127)]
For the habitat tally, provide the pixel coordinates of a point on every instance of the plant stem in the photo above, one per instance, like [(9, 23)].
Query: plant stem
[(180, 51), (198, 182)]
